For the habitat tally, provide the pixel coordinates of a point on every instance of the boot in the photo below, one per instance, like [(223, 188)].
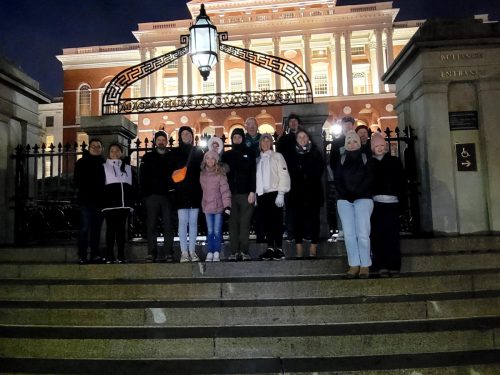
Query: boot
[(299, 251)]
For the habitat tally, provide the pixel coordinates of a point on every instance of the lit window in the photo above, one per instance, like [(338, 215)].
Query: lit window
[(236, 82), (208, 86), (173, 64), (356, 51), (136, 90), (318, 53), (320, 82), (360, 84), (84, 100), (49, 121), (263, 81)]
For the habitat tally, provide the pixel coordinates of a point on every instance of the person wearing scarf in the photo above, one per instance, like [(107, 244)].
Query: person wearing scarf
[(353, 181), (306, 193), (118, 202), (272, 182)]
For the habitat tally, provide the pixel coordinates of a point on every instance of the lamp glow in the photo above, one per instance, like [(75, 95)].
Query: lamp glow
[(203, 43)]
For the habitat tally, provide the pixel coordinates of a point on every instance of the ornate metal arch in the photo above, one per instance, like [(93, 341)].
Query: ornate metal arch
[(300, 93)]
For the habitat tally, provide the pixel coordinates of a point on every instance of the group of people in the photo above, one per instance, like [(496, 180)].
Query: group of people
[(249, 182)]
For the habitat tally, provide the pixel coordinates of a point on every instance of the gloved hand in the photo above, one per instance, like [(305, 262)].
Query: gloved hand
[(280, 200), (227, 212)]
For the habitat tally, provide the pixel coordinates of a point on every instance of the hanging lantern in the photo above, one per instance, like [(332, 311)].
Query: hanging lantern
[(203, 43)]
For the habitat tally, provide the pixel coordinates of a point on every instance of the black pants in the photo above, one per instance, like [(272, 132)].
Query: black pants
[(385, 245), (116, 221), (272, 218), (90, 231), (306, 223), (159, 207)]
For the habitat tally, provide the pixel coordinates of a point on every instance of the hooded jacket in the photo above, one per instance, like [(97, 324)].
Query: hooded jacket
[(354, 177), (118, 191)]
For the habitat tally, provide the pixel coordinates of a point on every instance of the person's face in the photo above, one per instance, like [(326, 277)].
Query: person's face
[(187, 137), (265, 144), (302, 139), (293, 124), (161, 142), (237, 139), (379, 149), (251, 126), (115, 152), (363, 135), (95, 148), (347, 126), (352, 145), (215, 147), (210, 162)]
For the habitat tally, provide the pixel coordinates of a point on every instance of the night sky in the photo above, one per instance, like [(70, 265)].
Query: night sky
[(33, 32)]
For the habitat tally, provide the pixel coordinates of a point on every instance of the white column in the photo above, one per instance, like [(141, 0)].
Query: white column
[(338, 64), (276, 46), (248, 75), (180, 75), (189, 77), (307, 55), (390, 46), (375, 83), (380, 58), (143, 81), (348, 60), (218, 75), (153, 77)]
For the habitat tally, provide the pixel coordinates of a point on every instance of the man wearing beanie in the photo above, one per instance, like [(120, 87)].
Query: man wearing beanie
[(155, 171), (241, 178)]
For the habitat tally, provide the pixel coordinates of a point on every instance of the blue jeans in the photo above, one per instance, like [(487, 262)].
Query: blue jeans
[(188, 217), (355, 219), (214, 232)]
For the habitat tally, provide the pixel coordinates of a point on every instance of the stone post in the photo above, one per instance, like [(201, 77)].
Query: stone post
[(110, 129)]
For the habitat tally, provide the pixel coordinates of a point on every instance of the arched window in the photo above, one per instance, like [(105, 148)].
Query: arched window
[(84, 100)]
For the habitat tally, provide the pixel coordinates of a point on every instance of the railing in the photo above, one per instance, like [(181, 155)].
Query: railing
[(45, 197)]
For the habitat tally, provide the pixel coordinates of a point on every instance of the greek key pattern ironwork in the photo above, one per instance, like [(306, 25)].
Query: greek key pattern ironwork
[(285, 68), (117, 86)]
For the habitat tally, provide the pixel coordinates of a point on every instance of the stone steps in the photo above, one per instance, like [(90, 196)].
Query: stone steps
[(442, 316)]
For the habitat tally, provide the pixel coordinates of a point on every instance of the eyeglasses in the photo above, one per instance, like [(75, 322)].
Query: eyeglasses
[(95, 147)]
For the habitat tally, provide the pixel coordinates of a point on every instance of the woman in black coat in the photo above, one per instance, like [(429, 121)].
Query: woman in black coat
[(306, 193), (188, 192), (388, 187)]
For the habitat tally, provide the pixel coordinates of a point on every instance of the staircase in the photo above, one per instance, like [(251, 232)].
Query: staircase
[(442, 316)]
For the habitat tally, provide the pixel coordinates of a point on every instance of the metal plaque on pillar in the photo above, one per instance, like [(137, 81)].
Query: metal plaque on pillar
[(466, 157)]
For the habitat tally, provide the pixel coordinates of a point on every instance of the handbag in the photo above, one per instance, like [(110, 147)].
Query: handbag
[(180, 174)]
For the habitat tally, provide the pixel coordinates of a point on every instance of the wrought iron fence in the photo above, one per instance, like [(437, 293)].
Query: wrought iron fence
[(45, 197)]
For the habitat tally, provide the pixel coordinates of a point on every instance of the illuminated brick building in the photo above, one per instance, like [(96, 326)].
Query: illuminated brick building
[(343, 49)]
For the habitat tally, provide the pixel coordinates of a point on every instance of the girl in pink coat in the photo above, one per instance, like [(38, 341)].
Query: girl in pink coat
[(216, 201)]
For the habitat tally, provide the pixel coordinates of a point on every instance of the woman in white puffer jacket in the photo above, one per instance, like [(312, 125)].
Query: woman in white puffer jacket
[(273, 181)]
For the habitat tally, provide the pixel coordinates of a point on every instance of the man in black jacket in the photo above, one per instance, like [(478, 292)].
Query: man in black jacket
[(155, 176), (241, 178), (89, 180)]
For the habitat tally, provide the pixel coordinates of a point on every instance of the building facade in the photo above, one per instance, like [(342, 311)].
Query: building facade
[(344, 51)]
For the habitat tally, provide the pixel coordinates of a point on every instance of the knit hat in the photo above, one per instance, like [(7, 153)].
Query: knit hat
[(294, 116), (352, 136), (217, 140), (238, 131), (181, 129), (377, 139), (161, 133), (361, 127), (212, 154)]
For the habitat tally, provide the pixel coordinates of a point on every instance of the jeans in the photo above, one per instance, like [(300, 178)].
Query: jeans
[(214, 232), (188, 217), (355, 219), (90, 231)]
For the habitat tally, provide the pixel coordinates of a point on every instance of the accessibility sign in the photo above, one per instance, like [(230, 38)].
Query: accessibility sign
[(466, 157)]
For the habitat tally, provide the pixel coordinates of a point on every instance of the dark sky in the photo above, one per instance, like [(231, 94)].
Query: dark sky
[(33, 32)]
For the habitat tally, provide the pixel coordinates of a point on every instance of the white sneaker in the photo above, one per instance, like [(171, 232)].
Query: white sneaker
[(216, 257), (184, 257), (210, 257), (194, 257)]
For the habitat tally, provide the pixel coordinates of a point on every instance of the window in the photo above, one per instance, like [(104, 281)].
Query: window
[(263, 81), (208, 86), (84, 100), (173, 64), (360, 84), (357, 51), (170, 86), (49, 121), (236, 81), (319, 53), (136, 90), (320, 82)]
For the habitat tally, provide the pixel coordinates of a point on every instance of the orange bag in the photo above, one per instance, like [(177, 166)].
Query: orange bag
[(179, 174)]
